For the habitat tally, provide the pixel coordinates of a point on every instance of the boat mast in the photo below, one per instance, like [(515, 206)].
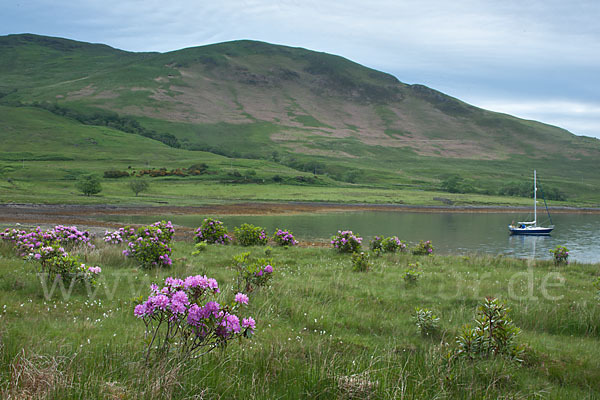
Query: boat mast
[(534, 198)]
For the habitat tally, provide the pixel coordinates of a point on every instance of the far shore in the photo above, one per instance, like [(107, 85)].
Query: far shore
[(88, 214)]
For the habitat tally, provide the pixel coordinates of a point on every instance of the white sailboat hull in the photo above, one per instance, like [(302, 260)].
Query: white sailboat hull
[(530, 230)]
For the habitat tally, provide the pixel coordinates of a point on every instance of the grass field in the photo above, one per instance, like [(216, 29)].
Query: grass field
[(323, 331)]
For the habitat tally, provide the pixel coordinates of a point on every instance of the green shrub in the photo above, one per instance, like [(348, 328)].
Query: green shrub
[(252, 274), (199, 247), (412, 274), (560, 254), (89, 185), (360, 262), (113, 174), (375, 243), (494, 333), (423, 248), (392, 244), (250, 235), (427, 323)]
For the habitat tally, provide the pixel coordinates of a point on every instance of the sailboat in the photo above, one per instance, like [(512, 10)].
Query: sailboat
[(531, 227)]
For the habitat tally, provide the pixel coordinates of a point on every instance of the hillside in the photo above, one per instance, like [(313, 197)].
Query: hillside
[(293, 108)]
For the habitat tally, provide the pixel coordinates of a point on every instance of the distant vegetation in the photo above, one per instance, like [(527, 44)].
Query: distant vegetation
[(89, 185), (110, 119), (456, 184)]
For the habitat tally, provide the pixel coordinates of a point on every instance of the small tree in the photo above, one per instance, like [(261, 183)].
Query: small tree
[(89, 185), (138, 185)]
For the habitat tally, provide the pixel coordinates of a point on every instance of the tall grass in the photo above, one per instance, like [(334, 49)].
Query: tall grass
[(324, 331)]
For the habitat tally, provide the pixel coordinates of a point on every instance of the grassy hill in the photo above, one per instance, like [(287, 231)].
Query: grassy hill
[(270, 114)]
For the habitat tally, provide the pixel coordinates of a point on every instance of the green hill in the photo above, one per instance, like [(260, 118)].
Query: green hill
[(311, 118)]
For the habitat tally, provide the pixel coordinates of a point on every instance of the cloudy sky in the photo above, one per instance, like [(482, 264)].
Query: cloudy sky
[(536, 59)]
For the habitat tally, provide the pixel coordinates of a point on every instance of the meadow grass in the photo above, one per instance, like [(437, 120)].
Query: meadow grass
[(324, 331)]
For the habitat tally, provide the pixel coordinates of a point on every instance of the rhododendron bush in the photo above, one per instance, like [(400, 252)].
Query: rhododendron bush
[(212, 231), (284, 238), (49, 249), (252, 274), (346, 242), (185, 315), (150, 246), (250, 235)]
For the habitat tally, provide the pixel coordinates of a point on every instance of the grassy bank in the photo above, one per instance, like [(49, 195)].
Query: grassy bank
[(323, 331)]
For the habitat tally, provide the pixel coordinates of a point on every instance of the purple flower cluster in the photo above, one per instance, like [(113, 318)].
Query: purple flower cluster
[(190, 316), (118, 236), (151, 245), (71, 236), (284, 238), (212, 231), (12, 235), (38, 243), (92, 270), (346, 242)]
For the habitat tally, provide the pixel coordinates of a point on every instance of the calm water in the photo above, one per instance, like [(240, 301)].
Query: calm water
[(459, 233)]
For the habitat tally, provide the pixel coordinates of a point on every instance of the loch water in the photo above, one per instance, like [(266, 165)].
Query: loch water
[(450, 232)]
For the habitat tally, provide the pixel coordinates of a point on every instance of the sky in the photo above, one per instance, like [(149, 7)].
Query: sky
[(535, 59)]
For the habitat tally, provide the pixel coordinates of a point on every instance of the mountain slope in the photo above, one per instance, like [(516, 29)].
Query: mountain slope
[(312, 111)]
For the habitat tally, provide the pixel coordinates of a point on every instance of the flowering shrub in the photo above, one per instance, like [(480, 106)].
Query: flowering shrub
[(57, 263), (48, 248), (118, 236), (284, 238), (346, 242), (561, 255), (375, 243), (212, 231), (150, 246), (252, 275), (392, 244), (360, 262), (29, 243), (66, 267), (184, 314), (427, 323), (423, 248), (494, 333), (250, 235), (71, 237)]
